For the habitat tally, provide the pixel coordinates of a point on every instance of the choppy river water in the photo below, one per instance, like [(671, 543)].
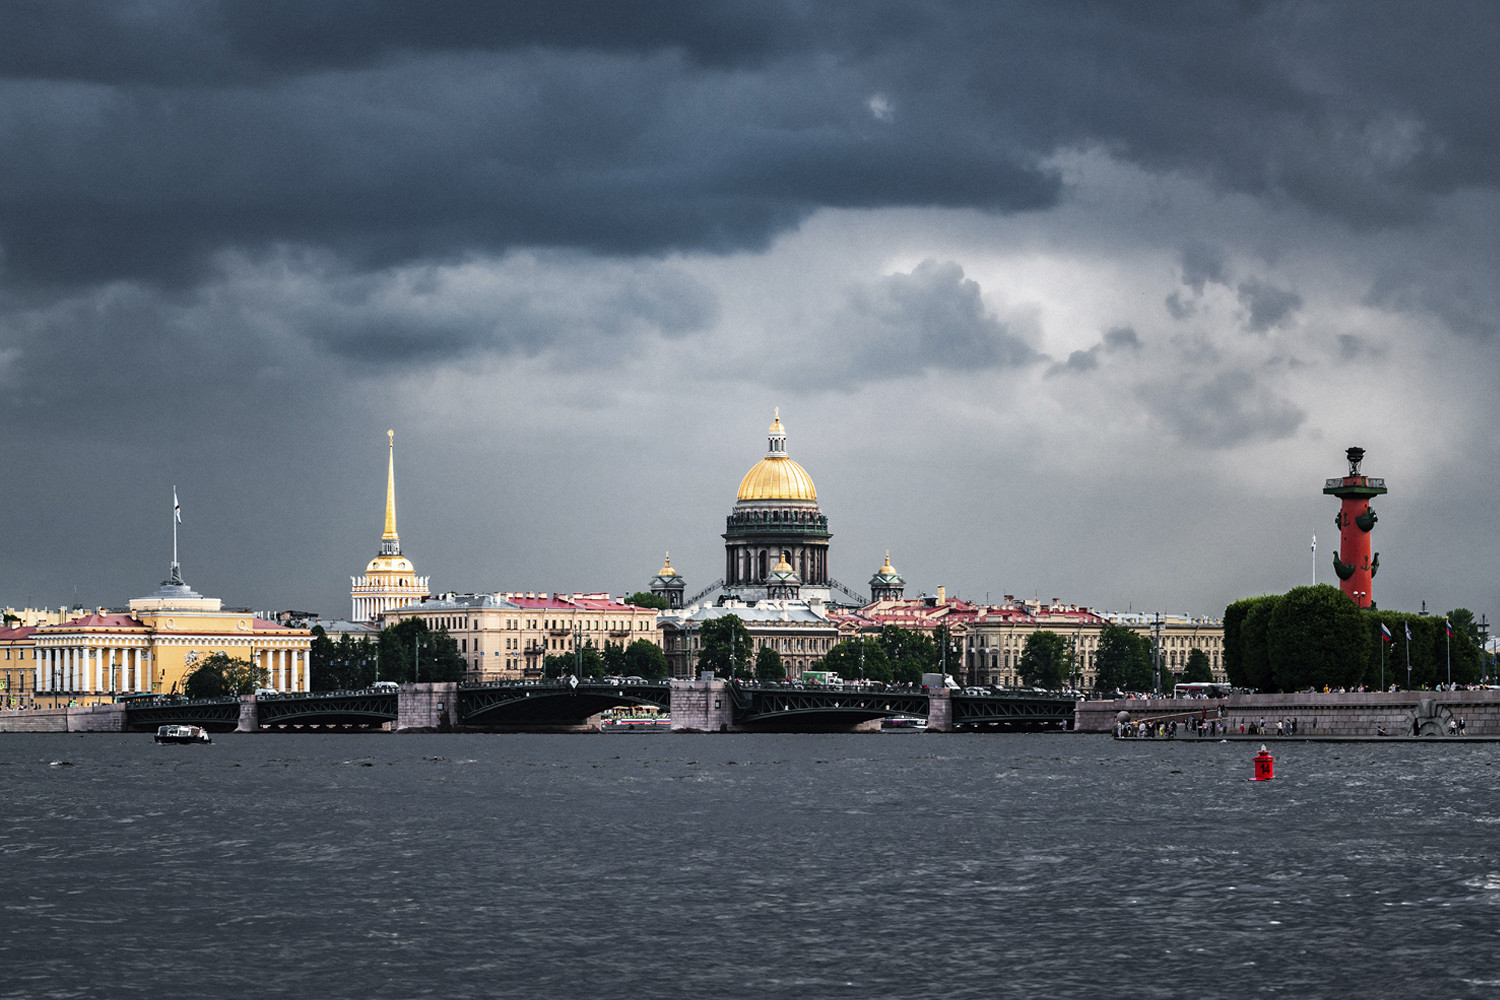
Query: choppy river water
[(868, 865)]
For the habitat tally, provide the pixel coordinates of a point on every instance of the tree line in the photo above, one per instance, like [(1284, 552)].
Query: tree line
[(1315, 637)]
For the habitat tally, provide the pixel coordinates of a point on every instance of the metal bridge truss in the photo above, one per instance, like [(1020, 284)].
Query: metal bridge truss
[(217, 715), (778, 707), (553, 703), (362, 709), (1005, 710)]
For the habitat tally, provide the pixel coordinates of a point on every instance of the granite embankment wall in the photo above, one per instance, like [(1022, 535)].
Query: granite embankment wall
[(1349, 714), (80, 719)]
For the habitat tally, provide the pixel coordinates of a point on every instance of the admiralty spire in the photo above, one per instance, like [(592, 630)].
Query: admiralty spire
[(390, 580)]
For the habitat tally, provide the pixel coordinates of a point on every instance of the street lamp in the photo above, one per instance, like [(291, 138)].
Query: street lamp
[(1484, 638), (1359, 598), (416, 659), (1156, 627)]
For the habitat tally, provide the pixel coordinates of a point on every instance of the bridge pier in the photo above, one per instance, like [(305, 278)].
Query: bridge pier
[(249, 715), (702, 706), (427, 708), (939, 709)]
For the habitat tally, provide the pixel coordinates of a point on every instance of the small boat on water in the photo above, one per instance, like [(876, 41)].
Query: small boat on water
[(182, 734), (903, 724), (638, 724)]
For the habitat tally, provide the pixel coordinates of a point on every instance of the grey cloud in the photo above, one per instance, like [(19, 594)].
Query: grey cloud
[(1179, 307), (932, 318), (1354, 348), (1201, 264), (1121, 338), (1268, 305), (1221, 410), (1465, 304)]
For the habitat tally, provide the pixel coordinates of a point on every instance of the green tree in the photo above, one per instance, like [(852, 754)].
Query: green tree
[(320, 661), (1123, 660), (614, 660), (226, 675), (644, 658), (1316, 636), (1198, 671), (911, 654), (768, 666), (860, 657), (557, 665), (410, 651), (1044, 660), (726, 647), (1255, 652), (1464, 624), (950, 651), (205, 682), (646, 599)]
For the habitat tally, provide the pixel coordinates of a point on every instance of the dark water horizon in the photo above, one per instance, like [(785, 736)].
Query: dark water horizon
[(868, 865)]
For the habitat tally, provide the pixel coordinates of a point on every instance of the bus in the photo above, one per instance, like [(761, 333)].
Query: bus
[(1202, 689)]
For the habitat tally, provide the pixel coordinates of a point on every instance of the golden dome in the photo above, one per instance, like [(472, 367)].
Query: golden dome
[(777, 477), (667, 569)]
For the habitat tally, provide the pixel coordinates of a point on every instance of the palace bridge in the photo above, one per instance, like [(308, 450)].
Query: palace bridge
[(706, 705)]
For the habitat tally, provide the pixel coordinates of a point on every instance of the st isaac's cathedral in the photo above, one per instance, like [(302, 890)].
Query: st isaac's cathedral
[(775, 538)]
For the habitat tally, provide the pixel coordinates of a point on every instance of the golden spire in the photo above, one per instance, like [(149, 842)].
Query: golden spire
[(887, 567), (667, 569), (390, 490), (776, 427)]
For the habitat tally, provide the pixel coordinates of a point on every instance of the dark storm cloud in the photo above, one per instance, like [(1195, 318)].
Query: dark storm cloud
[(1463, 302), (1201, 264), (930, 319), (1267, 305), (1121, 338), (145, 136), (1221, 410)]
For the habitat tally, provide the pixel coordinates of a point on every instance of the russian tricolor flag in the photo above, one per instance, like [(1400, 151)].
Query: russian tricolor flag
[(1385, 633)]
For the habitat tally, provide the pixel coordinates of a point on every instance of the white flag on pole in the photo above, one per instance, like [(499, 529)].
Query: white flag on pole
[(1315, 543), (176, 507)]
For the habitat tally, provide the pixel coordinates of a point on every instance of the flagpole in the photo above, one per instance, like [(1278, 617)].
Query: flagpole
[(1314, 560), (1408, 656), (174, 528), (1448, 654), (1382, 661)]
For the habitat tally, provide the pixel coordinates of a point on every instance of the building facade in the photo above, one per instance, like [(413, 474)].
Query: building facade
[(508, 636), (801, 632), (389, 581), (150, 649)]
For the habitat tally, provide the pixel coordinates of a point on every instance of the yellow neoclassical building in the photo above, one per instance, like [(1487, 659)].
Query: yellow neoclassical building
[(389, 581), (149, 649)]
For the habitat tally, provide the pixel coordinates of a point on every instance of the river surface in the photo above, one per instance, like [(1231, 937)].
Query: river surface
[(870, 865)]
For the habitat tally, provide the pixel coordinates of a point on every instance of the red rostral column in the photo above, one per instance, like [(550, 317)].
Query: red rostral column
[(1353, 563)]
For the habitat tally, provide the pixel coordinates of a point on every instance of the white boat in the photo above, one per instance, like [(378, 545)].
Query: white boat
[(182, 734), (903, 724)]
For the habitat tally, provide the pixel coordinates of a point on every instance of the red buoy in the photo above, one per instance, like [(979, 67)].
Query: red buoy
[(1265, 765)]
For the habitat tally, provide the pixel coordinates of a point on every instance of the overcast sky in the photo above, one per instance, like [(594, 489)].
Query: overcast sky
[(1078, 300)]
